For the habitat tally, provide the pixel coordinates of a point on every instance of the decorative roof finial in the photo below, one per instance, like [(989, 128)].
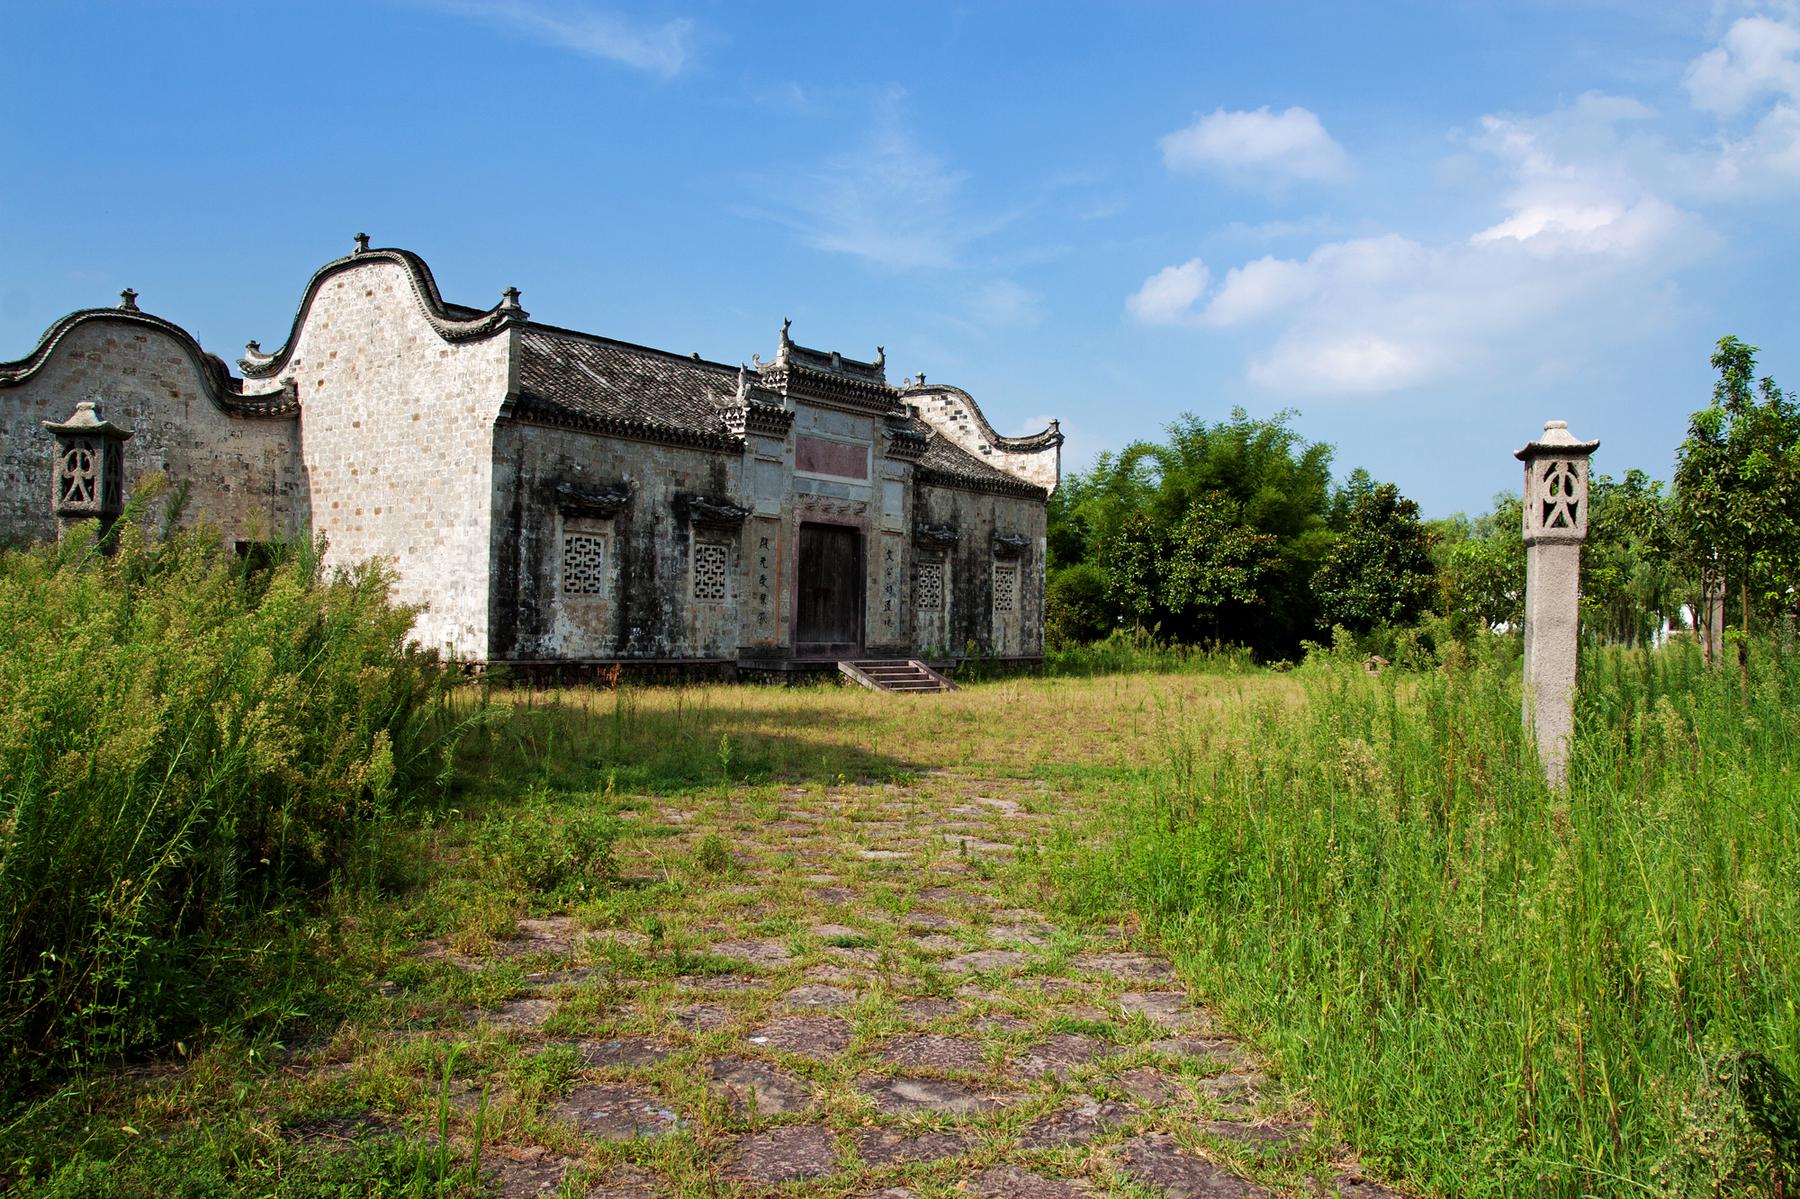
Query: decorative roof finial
[(253, 346), (921, 378), (128, 300), (786, 341), (743, 380), (509, 304), (880, 357), (362, 243)]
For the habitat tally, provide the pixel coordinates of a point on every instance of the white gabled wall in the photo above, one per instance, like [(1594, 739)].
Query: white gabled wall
[(952, 412), (396, 445)]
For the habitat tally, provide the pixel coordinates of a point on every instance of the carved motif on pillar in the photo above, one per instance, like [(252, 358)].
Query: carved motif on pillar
[(88, 479)]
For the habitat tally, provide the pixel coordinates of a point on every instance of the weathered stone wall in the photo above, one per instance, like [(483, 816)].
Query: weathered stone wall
[(632, 585), (240, 472), (952, 412), (645, 602), (396, 444), (970, 618)]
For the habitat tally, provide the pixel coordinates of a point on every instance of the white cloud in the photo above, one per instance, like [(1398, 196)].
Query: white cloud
[(1755, 58), (658, 49), (1258, 145), (1750, 82), (1167, 297), (890, 201), (1258, 289), (1351, 364), (1578, 233)]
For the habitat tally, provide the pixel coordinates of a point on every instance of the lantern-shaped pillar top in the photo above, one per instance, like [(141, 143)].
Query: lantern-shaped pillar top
[(1556, 485), (88, 481)]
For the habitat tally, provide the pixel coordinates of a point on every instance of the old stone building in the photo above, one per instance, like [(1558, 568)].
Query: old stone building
[(553, 495)]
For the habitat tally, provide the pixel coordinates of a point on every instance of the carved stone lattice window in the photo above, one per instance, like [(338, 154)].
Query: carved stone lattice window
[(1560, 497), (711, 561), (1006, 588), (583, 564), (78, 474), (928, 587)]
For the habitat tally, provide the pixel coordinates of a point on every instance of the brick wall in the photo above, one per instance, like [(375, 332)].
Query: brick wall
[(396, 443)]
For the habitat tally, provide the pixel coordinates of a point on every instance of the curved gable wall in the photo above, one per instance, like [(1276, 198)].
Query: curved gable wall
[(240, 471), (953, 412), (396, 443)]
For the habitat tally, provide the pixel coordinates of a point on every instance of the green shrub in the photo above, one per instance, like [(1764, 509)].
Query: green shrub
[(1133, 651), (187, 741), (550, 856), (1076, 609)]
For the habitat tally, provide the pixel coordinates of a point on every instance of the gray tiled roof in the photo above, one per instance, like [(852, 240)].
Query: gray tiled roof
[(591, 382), (615, 386), (946, 462)]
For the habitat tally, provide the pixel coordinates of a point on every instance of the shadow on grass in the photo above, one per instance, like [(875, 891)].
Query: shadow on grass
[(665, 742)]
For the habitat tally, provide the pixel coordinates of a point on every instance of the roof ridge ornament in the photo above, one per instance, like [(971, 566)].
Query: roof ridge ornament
[(510, 306), (128, 300), (362, 244)]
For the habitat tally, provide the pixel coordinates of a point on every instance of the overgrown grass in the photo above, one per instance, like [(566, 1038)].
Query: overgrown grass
[(188, 744), (1497, 988), (1127, 651)]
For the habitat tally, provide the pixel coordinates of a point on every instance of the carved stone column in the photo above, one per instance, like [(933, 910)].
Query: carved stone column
[(1556, 523), (88, 480)]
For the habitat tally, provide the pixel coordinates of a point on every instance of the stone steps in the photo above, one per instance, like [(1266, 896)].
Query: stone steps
[(905, 675)]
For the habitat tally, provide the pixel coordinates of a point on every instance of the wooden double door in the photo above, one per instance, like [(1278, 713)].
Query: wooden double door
[(828, 617)]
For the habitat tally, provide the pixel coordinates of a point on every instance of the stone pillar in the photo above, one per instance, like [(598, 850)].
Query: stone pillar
[(1556, 522), (88, 479)]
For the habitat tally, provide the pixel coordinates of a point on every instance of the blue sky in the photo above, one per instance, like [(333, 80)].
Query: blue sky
[(1426, 227)]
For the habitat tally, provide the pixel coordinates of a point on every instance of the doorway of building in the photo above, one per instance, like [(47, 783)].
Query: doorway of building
[(828, 622)]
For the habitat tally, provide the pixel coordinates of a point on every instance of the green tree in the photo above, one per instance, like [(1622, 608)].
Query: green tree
[(1380, 570), (1146, 512), (1629, 584), (1737, 484), (1481, 568)]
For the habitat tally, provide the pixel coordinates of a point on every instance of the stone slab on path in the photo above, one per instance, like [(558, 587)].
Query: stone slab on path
[(615, 1113), (818, 1037), (757, 1088), (1158, 1162), (932, 1051), (792, 1154), (982, 961), (1076, 1125), (1061, 1055), (905, 1095), (621, 1053), (892, 1147), (1010, 1182)]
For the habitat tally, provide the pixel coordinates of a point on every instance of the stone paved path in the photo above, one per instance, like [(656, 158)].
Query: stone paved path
[(855, 1007)]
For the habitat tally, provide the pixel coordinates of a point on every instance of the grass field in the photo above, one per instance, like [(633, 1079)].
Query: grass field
[(1483, 987)]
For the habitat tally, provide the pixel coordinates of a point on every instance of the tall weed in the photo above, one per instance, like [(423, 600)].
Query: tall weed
[(187, 740), (1499, 988)]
